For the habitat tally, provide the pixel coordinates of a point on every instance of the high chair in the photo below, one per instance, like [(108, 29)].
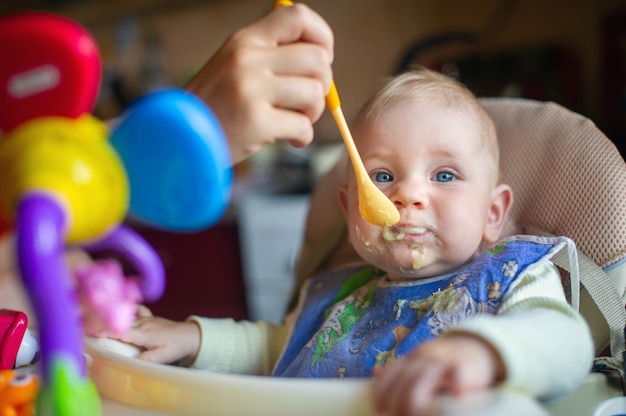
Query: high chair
[(568, 179)]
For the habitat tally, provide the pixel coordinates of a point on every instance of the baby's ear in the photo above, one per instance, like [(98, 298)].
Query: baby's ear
[(501, 201)]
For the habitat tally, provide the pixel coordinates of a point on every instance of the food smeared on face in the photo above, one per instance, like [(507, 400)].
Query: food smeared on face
[(418, 252), (398, 234), (366, 243)]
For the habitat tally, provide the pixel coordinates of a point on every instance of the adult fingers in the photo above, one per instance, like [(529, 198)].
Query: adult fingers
[(297, 23)]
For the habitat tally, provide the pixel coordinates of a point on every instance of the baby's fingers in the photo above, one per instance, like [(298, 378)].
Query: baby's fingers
[(409, 388), (143, 311), (160, 355)]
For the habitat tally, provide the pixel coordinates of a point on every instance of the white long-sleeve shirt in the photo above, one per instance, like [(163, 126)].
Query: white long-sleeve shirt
[(545, 345)]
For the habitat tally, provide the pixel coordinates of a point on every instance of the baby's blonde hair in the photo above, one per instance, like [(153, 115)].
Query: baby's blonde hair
[(427, 85)]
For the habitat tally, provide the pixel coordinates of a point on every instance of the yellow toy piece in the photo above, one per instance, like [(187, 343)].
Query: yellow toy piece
[(71, 159), (18, 393)]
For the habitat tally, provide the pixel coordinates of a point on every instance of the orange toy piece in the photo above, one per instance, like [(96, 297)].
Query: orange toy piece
[(18, 392)]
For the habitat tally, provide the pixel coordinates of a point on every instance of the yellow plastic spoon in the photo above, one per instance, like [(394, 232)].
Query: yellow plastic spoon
[(374, 206)]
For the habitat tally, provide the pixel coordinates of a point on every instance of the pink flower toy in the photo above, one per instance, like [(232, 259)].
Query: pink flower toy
[(107, 297)]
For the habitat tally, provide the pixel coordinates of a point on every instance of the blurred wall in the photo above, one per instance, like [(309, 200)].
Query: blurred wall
[(171, 39)]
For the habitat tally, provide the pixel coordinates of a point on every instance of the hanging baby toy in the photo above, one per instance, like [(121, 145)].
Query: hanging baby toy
[(66, 180)]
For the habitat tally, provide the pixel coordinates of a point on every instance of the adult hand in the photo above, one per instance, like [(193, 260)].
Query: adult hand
[(268, 80)]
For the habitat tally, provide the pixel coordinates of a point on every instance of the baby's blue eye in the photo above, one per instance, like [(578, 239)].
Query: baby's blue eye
[(382, 177), (445, 177)]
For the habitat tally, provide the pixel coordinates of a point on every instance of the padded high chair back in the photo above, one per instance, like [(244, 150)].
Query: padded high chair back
[(567, 178)]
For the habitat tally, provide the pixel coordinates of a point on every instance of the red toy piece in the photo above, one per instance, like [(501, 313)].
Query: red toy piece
[(17, 346), (48, 67)]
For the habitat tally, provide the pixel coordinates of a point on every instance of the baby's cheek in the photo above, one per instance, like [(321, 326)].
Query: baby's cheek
[(370, 243), (361, 239)]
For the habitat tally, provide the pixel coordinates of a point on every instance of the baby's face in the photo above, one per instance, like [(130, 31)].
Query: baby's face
[(432, 164)]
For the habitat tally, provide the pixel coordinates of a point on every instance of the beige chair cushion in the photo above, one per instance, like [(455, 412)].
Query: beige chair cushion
[(567, 177)]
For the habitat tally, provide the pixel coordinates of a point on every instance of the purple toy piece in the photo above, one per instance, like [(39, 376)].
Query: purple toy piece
[(126, 242), (41, 224)]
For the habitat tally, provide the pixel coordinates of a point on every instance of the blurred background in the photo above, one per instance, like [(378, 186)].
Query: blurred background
[(572, 52), (569, 51)]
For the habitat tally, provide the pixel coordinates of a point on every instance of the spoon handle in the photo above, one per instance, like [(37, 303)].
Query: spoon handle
[(334, 106), (281, 3), (374, 206)]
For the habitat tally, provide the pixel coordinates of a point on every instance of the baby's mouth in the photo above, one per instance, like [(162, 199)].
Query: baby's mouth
[(415, 236), (396, 233)]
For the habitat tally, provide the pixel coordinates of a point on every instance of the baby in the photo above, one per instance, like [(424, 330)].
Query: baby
[(439, 304)]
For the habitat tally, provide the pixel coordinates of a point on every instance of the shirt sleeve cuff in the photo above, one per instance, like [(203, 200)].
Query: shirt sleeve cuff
[(232, 347)]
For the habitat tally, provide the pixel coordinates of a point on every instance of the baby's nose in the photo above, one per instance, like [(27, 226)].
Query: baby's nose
[(411, 195)]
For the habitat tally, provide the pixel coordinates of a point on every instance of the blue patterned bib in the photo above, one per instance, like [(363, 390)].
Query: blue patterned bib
[(354, 319)]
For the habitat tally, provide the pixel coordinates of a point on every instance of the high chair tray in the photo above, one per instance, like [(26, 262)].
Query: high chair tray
[(122, 379), (182, 391)]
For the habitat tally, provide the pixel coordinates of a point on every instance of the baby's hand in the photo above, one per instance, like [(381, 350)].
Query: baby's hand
[(455, 364), (162, 340)]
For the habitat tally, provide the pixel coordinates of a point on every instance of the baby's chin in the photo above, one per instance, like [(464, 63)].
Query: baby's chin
[(411, 263), (399, 273), (405, 275), (401, 259), (406, 268)]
